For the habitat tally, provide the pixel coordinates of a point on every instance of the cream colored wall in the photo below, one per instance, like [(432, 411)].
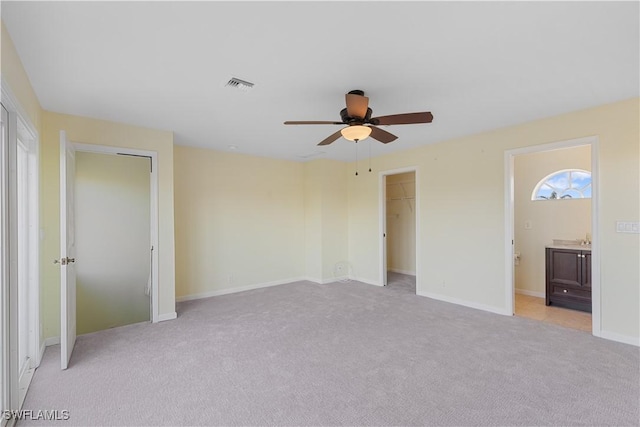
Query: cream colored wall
[(401, 223), (567, 219), (100, 132), (313, 185), (334, 213), (240, 221), (112, 206), (461, 223)]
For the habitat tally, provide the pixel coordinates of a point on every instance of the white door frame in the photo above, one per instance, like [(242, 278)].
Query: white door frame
[(21, 130), (8, 321), (153, 155), (509, 231), (382, 215), (30, 230)]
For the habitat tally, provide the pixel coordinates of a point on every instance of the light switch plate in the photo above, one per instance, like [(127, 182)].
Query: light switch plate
[(628, 227)]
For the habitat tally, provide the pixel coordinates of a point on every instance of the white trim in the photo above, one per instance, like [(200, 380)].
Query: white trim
[(613, 336), (509, 231), (382, 221), (321, 281), (167, 316), (530, 293), (28, 142), (240, 289), (51, 341), (470, 304), (11, 103), (25, 382), (397, 270), (43, 347), (26, 133), (596, 290), (154, 211), (367, 281), (34, 252), (12, 379), (6, 388), (509, 235)]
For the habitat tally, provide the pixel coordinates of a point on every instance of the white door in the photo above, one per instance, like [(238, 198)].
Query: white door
[(67, 250)]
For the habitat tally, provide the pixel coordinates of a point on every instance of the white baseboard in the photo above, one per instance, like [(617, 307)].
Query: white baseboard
[(43, 346), (51, 341), (407, 272), (240, 289), (318, 281), (614, 336), (167, 316), (366, 281), (465, 303), (530, 293)]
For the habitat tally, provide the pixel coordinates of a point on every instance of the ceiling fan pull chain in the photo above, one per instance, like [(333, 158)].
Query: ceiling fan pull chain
[(356, 156), (369, 155)]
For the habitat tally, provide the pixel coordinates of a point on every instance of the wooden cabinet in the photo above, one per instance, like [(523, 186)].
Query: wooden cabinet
[(568, 282)]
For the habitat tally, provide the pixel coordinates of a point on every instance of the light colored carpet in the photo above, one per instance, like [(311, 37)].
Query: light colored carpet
[(340, 354), (401, 282)]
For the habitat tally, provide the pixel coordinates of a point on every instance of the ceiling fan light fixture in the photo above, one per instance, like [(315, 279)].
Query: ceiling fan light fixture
[(357, 132)]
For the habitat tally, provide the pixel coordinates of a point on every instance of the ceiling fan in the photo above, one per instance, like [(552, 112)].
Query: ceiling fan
[(360, 124)]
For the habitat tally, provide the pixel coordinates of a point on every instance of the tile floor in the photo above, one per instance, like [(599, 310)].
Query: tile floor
[(534, 308)]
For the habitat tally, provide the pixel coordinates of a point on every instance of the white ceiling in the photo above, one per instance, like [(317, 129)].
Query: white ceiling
[(475, 65)]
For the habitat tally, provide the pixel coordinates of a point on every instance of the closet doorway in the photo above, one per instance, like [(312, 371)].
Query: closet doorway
[(113, 240), (399, 206)]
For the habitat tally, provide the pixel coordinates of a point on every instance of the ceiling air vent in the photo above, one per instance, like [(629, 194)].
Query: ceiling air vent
[(237, 83)]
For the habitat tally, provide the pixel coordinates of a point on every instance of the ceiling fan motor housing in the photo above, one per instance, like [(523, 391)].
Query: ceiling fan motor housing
[(344, 115)]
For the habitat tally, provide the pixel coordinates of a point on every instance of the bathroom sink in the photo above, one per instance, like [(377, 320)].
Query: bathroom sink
[(571, 244)]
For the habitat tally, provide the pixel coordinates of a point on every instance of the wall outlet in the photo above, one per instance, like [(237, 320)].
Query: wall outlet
[(230, 279), (528, 225)]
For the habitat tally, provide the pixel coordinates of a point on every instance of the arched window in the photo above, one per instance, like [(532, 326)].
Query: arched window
[(564, 184)]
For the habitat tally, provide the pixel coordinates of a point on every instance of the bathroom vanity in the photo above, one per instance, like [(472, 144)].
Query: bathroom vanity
[(568, 276)]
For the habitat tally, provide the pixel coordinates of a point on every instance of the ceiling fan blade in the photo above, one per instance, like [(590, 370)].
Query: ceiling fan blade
[(328, 140), (312, 122), (403, 119), (382, 135), (357, 105)]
